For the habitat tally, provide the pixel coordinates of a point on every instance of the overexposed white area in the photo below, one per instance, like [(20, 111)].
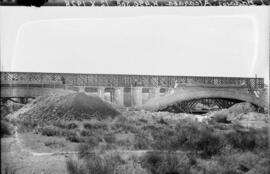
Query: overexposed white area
[(201, 41)]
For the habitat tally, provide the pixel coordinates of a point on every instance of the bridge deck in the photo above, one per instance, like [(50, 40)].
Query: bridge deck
[(124, 80)]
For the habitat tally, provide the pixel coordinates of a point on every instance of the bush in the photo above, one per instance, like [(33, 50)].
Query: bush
[(54, 131), (162, 121), (103, 165), (106, 147), (230, 171), (26, 126), (130, 168), (187, 131), (72, 126), (191, 135), (98, 166), (74, 138), (124, 143), (65, 125), (60, 124), (54, 144), (248, 139), (207, 167), (163, 138), (49, 131), (65, 133), (239, 162), (262, 167), (110, 138), (85, 150), (9, 170), (168, 163), (220, 126), (207, 143), (241, 140), (5, 129), (174, 164), (88, 126), (261, 138), (121, 119), (142, 142), (75, 167), (221, 117), (85, 133), (94, 126), (247, 161), (151, 161), (93, 141), (143, 120), (125, 127)]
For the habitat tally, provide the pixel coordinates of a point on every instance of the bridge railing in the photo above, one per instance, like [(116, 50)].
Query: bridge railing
[(123, 80)]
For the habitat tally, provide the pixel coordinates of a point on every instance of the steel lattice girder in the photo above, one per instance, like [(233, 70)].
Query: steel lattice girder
[(187, 106), (124, 80)]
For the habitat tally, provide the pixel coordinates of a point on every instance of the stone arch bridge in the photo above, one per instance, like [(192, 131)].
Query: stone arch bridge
[(141, 91)]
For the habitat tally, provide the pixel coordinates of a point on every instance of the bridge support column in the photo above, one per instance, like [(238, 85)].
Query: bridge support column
[(119, 96), (136, 93), (154, 92), (170, 91), (81, 88), (101, 92)]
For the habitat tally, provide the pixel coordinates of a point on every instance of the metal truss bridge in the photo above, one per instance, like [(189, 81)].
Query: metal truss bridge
[(137, 90)]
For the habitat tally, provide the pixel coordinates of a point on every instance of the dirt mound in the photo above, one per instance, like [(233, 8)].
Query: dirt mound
[(10, 107), (66, 107), (241, 108), (251, 116)]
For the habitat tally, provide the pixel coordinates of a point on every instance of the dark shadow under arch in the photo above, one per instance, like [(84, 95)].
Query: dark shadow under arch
[(207, 104)]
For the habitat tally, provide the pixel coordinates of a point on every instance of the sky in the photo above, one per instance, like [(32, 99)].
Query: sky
[(201, 41)]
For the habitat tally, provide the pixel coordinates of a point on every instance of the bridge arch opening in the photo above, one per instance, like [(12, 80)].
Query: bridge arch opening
[(163, 91), (203, 105), (108, 94)]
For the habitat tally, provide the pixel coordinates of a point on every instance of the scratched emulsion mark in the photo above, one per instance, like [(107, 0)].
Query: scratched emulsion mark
[(37, 3), (135, 3), (165, 2)]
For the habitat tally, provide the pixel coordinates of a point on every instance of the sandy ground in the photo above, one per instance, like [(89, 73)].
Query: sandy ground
[(27, 162)]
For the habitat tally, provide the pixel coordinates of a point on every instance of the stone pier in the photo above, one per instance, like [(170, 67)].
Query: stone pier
[(154, 92), (136, 93), (81, 89), (119, 96), (100, 92)]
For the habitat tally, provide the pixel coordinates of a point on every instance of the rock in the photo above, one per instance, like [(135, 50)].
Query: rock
[(241, 108)]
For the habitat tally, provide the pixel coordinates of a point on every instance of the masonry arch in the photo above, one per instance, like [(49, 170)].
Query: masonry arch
[(186, 95)]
